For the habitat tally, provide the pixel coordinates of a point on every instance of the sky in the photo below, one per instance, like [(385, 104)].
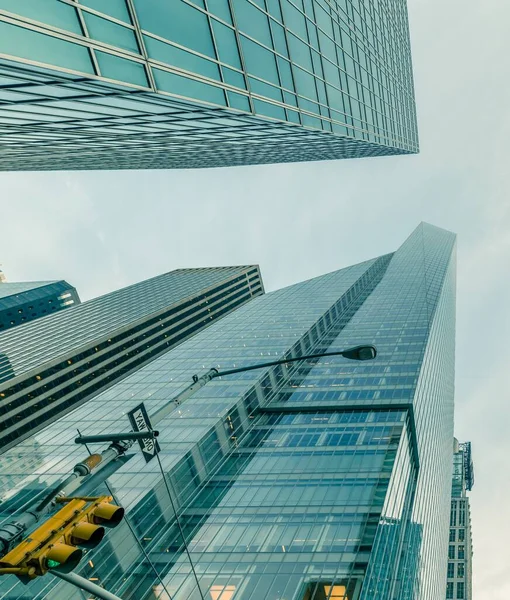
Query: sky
[(104, 230)]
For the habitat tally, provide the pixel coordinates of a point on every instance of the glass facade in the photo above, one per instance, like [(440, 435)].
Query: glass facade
[(61, 361), (120, 84), (21, 302), (325, 479)]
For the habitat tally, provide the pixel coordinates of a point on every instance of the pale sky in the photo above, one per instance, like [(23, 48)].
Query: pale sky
[(104, 230)]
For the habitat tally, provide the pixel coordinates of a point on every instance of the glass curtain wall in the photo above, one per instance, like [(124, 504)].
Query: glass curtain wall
[(322, 480), (149, 84)]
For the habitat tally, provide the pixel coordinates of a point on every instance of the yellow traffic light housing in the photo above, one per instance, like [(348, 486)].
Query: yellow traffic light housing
[(63, 558), (53, 546), (107, 514)]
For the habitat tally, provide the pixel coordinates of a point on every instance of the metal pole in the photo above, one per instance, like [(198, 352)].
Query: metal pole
[(176, 401), (84, 584), (273, 363), (116, 437)]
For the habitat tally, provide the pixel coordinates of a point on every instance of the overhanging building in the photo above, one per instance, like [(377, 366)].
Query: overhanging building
[(130, 84), (325, 479), (21, 302), (52, 365)]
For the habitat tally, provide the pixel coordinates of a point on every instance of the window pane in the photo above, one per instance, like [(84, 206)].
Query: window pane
[(220, 8), (171, 55), (226, 43), (110, 33), (170, 82), (45, 11), (114, 8), (177, 22), (121, 69), (252, 21), (259, 61), (239, 101), (29, 44)]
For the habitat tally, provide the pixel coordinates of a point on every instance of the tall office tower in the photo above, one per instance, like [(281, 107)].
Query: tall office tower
[(460, 550), (25, 301), (130, 84), (53, 365), (325, 479)]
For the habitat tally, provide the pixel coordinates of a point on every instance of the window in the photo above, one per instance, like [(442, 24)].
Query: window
[(451, 552), (462, 514), (26, 43), (460, 569), (220, 592), (460, 590), (453, 514), (462, 535), (449, 590), (452, 535), (460, 552), (451, 570)]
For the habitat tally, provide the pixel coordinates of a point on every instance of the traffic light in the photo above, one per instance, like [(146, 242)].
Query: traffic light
[(54, 545)]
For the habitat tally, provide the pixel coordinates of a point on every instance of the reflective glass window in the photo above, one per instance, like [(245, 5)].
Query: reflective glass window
[(110, 33), (176, 21), (30, 44), (121, 69), (114, 8), (50, 12)]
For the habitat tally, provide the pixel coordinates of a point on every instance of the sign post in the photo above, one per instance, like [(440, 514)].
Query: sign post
[(139, 420)]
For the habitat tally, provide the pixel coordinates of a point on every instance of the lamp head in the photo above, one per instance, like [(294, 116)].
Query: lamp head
[(360, 353)]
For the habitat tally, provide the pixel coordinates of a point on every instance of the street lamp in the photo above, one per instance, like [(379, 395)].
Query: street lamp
[(144, 425), (365, 352), (354, 353)]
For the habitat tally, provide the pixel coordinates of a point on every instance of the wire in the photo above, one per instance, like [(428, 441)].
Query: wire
[(133, 532), (179, 526)]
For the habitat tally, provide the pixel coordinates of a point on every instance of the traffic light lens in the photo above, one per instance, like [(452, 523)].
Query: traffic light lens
[(53, 563)]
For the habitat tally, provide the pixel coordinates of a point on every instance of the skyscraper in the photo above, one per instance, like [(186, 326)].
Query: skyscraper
[(194, 83), (460, 549), (324, 479), (55, 364), (22, 302)]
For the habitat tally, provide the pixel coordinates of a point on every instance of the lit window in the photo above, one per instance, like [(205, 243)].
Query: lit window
[(222, 592), (336, 592)]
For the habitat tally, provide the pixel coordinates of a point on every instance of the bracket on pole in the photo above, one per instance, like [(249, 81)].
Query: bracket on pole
[(116, 437)]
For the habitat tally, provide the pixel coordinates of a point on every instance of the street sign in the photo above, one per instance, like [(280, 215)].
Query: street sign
[(139, 420)]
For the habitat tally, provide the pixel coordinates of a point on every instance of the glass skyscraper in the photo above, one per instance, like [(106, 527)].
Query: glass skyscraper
[(459, 584), (325, 479), (21, 302), (119, 84), (53, 365)]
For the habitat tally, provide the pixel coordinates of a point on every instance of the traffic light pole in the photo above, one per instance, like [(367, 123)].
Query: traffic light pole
[(85, 584)]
